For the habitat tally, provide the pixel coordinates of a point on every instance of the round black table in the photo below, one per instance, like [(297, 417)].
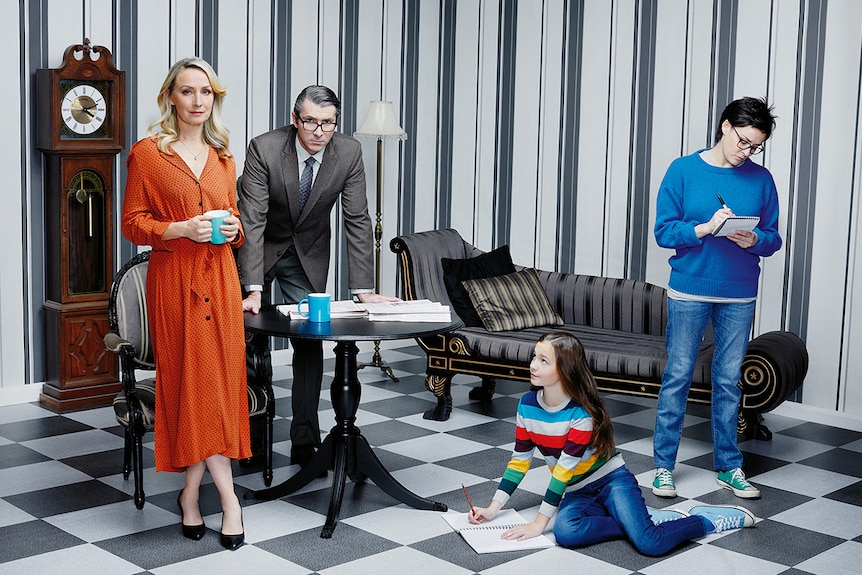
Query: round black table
[(344, 450)]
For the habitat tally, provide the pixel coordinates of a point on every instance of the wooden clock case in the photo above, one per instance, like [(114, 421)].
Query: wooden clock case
[(79, 265)]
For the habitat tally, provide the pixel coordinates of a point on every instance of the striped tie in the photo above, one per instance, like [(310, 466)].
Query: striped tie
[(305, 182)]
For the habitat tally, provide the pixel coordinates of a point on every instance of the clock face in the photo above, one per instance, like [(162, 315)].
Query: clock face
[(84, 110)]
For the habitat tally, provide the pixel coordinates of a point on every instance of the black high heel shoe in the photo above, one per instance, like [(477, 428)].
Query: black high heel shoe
[(193, 532), (233, 542)]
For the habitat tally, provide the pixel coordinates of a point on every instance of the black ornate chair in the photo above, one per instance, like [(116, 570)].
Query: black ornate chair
[(134, 406)]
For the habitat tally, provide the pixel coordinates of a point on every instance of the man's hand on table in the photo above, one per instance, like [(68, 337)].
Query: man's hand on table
[(372, 297), (252, 302)]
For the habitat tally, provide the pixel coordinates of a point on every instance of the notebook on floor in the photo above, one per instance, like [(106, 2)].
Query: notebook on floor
[(485, 537)]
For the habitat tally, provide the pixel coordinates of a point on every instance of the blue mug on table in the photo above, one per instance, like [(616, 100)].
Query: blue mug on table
[(318, 307)]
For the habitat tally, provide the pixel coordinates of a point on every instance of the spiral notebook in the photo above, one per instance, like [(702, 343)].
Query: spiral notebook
[(734, 224), (485, 537)]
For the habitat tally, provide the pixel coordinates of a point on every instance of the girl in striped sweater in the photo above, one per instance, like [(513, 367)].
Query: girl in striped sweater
[(594, 495)]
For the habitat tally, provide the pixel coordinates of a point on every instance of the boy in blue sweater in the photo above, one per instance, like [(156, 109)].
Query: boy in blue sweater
[(713, 278)]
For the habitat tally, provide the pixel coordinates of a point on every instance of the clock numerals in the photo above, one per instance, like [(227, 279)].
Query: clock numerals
[(83, 109)]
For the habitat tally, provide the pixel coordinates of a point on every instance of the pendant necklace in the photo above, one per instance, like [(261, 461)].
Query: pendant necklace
[(190, 151)]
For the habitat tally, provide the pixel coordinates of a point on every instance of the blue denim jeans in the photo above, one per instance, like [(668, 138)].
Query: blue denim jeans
[(686, 323), (613, 507)]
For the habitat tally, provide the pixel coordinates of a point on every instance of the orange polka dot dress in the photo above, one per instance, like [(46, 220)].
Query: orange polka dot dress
[(194, 305)]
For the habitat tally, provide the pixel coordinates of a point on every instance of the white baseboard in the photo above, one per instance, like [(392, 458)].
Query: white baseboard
[(20, 394), (819, 415)]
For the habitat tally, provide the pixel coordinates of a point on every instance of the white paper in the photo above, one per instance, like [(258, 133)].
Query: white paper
[(485, 537)]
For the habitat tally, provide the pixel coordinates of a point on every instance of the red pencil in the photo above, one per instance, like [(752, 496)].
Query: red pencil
[(473, 509)]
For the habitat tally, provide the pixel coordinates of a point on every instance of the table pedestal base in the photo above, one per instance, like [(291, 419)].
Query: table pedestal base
[(345, 451)]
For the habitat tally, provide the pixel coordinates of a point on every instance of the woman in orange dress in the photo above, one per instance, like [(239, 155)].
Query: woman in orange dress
[(193, 293)]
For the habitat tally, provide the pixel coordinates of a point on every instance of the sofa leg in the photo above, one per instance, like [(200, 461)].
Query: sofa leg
[(441, 386), (750, 425), (486, 392)]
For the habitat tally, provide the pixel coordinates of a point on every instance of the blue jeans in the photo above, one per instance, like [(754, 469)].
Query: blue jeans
[(613, 507), (686, 323)]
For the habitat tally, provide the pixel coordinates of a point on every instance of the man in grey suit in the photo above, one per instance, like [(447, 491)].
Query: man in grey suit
[(293, 177)]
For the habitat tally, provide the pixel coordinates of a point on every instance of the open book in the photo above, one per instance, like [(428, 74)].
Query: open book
[(485, 537)]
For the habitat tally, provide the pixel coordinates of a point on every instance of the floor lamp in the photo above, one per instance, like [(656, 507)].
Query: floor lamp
[(380, 124)]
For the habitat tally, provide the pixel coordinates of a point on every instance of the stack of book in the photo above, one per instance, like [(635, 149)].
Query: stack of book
[(340, 309), (416, 310)]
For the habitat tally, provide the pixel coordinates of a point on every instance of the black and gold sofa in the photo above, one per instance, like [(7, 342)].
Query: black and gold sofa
[(620, 322)]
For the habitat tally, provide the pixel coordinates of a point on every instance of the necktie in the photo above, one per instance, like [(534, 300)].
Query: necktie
[(305, 182)]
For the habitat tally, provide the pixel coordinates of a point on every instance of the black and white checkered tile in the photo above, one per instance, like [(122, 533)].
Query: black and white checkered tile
[(65, 507)]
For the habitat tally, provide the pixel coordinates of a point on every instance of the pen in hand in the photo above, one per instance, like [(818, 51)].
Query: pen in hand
[(469, 501), (720, 199)]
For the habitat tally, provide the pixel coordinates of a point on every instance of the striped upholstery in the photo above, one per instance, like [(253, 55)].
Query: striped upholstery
[(146, 391), (422, 276), (621, 322), (131, 306), (257, 400), (511, 301)]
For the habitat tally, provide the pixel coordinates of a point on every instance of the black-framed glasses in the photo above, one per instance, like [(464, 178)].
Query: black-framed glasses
[(312, 126), (744, 144)]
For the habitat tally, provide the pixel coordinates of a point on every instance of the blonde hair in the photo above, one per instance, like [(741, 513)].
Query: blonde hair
[(215, 133)]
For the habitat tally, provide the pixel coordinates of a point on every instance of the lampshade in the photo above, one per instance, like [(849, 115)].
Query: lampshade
[(381, 123)]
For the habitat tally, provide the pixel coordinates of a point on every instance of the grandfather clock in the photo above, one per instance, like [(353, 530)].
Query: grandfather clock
[(80, 112)]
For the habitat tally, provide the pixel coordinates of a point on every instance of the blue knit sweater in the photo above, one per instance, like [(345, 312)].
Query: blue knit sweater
[(712, 266)]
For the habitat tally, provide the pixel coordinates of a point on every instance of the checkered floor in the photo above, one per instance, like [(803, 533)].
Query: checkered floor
[(65, 508)]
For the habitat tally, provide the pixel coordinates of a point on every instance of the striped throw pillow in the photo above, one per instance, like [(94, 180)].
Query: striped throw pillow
[(511, 301)]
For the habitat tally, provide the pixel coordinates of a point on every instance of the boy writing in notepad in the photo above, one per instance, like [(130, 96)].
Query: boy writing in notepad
[(594, 495)]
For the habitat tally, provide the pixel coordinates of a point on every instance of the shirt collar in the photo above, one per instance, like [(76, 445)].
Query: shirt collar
[(302, 154)]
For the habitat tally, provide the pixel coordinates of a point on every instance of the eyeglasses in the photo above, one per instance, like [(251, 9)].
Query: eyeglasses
[(746, 145), (312, 126)]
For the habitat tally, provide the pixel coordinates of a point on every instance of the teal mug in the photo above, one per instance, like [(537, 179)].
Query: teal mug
[(217, 221), (318, 307)]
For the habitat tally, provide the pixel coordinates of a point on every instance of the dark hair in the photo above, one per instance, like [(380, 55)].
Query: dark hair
[(580, 385), (320, 95), (754, 112)]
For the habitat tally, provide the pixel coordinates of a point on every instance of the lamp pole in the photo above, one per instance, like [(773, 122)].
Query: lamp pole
[(379, 124), (376, 359)]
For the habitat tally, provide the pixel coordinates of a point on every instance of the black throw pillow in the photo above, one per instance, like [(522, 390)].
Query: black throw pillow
[(495, 263)]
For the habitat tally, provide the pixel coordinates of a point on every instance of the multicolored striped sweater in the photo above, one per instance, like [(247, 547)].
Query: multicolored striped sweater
[(562, 435)]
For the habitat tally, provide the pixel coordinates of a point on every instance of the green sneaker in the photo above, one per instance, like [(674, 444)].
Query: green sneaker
[(663, 485), (735, 481)]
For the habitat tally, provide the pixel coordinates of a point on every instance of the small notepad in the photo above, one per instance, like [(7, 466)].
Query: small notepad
[(485, 537), (736, 224)]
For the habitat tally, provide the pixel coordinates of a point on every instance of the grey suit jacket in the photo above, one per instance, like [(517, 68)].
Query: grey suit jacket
[(271, 220)]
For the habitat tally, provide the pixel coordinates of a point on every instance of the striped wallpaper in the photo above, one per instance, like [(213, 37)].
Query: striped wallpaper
[(543, 124)]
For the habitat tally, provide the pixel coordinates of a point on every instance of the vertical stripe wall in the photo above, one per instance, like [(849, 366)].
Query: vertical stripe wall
[(543, 124)]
